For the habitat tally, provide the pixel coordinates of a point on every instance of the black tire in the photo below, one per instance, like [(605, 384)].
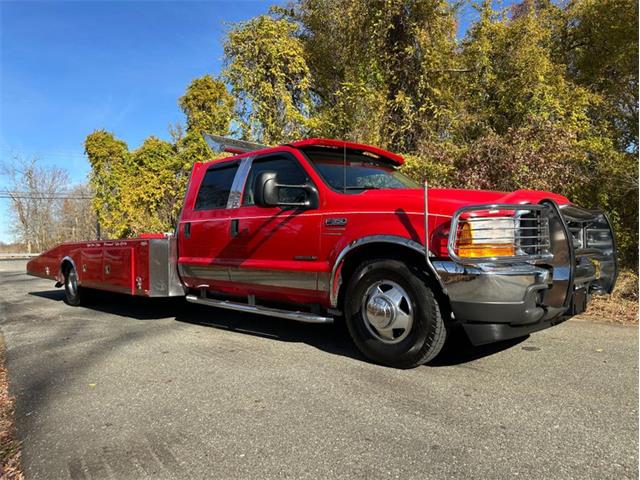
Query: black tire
[(73, 294), (402, 347)]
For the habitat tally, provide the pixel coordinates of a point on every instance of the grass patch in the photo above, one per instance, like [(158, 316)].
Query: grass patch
[(9, 447), (619, 307)]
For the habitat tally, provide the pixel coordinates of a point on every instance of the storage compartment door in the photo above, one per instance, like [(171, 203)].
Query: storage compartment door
[(91, 266), (118, 267)]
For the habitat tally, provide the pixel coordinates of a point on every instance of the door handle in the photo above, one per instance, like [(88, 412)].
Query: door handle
[(187, 230), (235, 224)]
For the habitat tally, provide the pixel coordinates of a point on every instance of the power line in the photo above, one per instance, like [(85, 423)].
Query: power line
[(38, 197), (42, 195)]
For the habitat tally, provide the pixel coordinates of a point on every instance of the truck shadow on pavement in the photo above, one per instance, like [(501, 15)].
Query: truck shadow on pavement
[(333, 338)]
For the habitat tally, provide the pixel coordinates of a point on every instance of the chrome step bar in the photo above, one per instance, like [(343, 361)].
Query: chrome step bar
[(270, 312)]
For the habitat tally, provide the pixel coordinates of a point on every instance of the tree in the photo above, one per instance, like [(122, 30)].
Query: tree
[(208, 107), (382, 71), (111, 169), (268, 74), (75, 218), (514, 80), (35, 192), (602, 55), (151, 195)]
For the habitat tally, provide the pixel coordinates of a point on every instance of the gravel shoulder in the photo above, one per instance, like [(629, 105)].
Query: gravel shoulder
[(162, 389)]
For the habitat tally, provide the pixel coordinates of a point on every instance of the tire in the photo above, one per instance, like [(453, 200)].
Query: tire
[(72, 291), (392, 314)]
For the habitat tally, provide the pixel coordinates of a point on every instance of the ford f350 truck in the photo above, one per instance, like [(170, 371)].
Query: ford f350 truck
[(321, 228)]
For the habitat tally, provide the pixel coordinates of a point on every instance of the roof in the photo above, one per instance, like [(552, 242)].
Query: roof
[(238, 147), (328, 142)]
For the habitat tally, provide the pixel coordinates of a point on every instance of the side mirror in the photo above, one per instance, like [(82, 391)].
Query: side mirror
[(267, 192), (266, 189)]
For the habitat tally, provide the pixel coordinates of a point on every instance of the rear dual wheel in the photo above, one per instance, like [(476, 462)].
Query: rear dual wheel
[(73, 294), (392, 315)]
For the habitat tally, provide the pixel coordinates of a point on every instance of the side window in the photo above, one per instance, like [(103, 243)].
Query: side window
[(289, 173), (215, 186)]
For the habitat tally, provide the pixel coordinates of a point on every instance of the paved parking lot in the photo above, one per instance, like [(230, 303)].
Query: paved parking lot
[(161, 389)]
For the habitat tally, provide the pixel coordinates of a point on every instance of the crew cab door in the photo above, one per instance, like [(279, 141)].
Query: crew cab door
[(273, 251), (204, 228)]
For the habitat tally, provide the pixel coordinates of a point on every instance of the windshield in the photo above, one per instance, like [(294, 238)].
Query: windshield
[(363, 171)]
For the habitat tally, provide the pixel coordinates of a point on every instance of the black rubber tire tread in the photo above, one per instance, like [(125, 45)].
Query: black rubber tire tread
[(69, 299), (428, 333)]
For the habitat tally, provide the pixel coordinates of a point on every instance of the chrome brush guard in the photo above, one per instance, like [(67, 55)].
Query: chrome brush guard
[(525, 229), (577, 244)]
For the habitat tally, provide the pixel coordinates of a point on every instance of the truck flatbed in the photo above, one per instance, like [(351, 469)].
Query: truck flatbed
[(143, 266)]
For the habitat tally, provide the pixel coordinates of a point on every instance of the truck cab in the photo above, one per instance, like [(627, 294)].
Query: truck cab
[(322, 228)]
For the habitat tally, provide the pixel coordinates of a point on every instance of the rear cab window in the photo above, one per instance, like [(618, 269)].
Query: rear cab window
[(216, 186)]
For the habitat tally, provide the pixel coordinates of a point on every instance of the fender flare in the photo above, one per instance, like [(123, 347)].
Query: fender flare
[(73, 264), (335, 280)]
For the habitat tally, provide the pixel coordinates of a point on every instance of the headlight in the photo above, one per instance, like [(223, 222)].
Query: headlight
[(486, 237)]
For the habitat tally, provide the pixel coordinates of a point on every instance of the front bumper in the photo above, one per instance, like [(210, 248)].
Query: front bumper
[(496, 301)]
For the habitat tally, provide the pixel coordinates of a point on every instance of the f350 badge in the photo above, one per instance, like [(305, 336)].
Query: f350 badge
[(335, 222)]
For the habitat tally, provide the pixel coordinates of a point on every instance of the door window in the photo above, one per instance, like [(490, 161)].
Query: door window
[(215, 186), (289, 173)]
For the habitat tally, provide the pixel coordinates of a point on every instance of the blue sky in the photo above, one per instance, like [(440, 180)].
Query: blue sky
[(68, 68)]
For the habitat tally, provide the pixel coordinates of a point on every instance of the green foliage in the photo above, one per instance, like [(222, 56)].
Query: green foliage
[(602, 55), (513, 79), (208, 106), (110, 167), (152, 201), (434, 162), (266, 68), (381, 71)]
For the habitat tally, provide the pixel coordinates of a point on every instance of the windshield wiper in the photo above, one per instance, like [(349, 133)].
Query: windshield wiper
[(363, 187)]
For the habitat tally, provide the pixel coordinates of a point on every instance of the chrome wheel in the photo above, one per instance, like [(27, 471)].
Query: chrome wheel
[(387, 311), (72, 282)]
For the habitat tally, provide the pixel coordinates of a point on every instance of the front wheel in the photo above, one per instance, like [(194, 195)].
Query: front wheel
[(392, 315)]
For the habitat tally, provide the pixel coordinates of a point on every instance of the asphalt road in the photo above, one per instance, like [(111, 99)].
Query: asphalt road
[(145, 389)]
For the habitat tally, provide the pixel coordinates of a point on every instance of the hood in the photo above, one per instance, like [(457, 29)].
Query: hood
[(445, 201)]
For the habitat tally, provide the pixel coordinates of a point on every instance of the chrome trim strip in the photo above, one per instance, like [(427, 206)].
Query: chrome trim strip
[(207, 272), (303, 280), (294, 279), (335, 283), (270, 312), (235, 195)]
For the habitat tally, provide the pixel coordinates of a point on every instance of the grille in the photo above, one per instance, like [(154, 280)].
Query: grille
[(532, 233)]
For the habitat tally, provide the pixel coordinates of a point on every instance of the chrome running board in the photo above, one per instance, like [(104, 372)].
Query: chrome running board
[(270, 312)]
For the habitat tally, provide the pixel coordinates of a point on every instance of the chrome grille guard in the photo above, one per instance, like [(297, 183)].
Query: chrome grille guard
[(594, 245), (578, 244), (523, 228)]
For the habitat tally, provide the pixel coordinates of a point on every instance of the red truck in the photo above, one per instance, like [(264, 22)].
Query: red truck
[(320, 228)]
